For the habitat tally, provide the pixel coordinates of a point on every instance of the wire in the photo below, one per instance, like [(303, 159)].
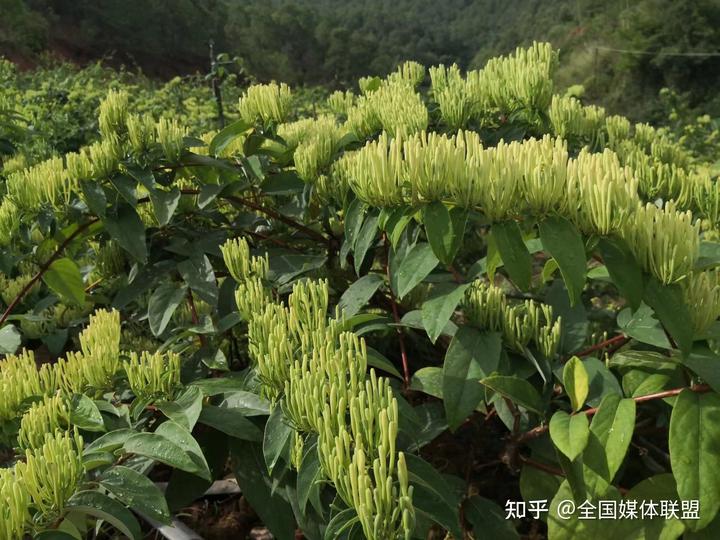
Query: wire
[(647, 53)]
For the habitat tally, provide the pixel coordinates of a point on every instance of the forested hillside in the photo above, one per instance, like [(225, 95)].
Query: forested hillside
[(673, 43)]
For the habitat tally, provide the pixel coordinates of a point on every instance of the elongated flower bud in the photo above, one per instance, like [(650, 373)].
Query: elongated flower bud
[(266, 102), (14, 506), (51, 473)]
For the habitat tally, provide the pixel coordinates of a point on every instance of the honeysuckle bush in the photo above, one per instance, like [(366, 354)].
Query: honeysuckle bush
[(444, 292)]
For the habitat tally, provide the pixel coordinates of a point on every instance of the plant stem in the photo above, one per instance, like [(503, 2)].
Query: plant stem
[(44, 268), (540, 430), (396, 317)]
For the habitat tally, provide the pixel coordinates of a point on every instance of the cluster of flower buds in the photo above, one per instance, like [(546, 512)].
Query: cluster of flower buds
[(618, 130), (701, 291), (153, 376), (601, 194), (582, 125), (19, 380), (394, 107), (11, 287), (456, 97), (171, 136), (410, 72), (521, 81), (113, 113), (51, 473), (315, 146), (44, 417), (47, 182), (340, 102), (316, 371), (269, 103), (239, 262), (9, 219), (487, 307), (665, 241), (141, 133), (14, 506)]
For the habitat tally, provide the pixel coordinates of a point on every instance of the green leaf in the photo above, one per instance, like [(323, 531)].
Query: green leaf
[(10, 339), (184, 439), (428, 380), (575, 380), (128, 230), (623, 269), (445, 229), (340, 523), (110, 442), (611, 431), (231, 422), (694, 443), (658, 488), (377, 360), (136, 491), (94, 196), (415, 266), (163, 303), (365, 239), (668, 302), (488, 519), (95, 460), (283, 183), (564, 243), (432, 495), (397, 222), (103, 507), (705, 363), (85, 414), (164, 204), (514, 253), (354, 220), (309, 476), (226, 136), (643, 326), (439, 307), (162, 449), (277, 438), (199, 275), (516, 390), (222, 385), (64, 278), (246, 403), (185, 410), (358, 294), (471, 356), (55, 534), (574, 323), (259, 489), (569, 433)]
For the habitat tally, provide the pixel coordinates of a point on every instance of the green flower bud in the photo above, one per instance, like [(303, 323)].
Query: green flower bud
[(43, 418), (269, 103), (172, 139), (153, 376), (113, 113), (51, 473), (14, 506)]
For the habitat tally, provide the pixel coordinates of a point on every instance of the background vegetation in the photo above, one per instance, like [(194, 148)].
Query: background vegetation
[(333, 42)]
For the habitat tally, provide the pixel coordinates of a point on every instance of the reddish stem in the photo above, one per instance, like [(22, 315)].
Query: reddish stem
[(44, 268), (619, 339), (540, 430), (195, 318)]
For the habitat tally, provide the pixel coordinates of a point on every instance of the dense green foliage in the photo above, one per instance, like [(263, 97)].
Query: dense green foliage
[(335, 42), (386, 313)]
